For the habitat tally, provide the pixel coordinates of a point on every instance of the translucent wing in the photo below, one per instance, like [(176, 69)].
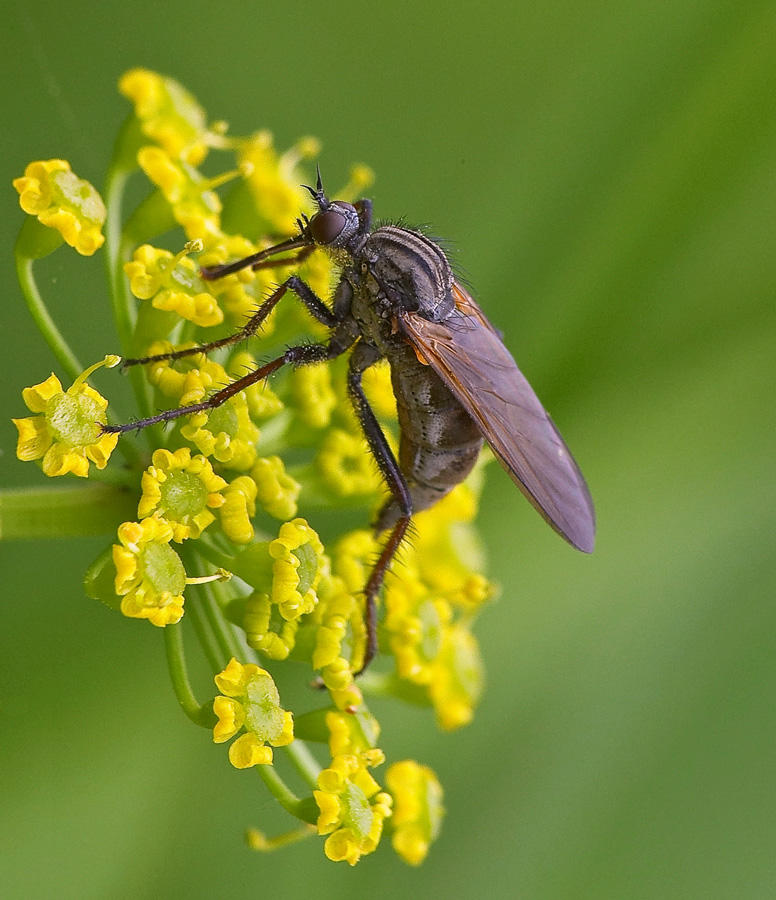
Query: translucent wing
[(470, 357)]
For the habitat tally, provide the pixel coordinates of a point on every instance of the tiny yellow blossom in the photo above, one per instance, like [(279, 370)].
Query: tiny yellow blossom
[(182, 490), (446, 549), (187, 379), (66, 432), (52, 192), (346, 466), (417, 809), (226, 433), (352, 806), (241, 293), (312, 395), (149, 574), (416, 625), (299, 563), (262, 400), (277, 491), (275, 182), (239, 506), (266, 630), (354, 556), (351, 732), (339, 681), (338, 622), (193, 203), (379, 389), (172, 284), (168, 114), (360, 178), (319, 271), (251, 702), (457, 678)]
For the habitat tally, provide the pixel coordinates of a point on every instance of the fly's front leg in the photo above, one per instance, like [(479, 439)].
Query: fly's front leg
[(302, 355), (364, 356), (306, 294)]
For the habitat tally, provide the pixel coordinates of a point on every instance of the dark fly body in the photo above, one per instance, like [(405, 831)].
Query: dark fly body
[(455, 382)]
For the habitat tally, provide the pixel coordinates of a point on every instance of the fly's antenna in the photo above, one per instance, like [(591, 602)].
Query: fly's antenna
[(317, 193)]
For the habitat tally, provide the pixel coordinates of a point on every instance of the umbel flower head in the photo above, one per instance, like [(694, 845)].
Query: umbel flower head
[(60, 200), (269, 486), (65, 433)]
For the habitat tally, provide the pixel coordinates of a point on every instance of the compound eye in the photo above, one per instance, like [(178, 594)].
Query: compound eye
[(327, 226)]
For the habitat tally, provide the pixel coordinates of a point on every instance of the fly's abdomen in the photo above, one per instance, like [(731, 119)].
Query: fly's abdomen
[(439, 442)]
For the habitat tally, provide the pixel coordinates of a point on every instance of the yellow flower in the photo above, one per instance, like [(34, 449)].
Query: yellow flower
[(193, 203), (265, 629), (187, 379), (360, 178), (225, 433), (262, 400), (446, 550), (338, 622), (239, 506), (241, 293), (337, 677), (354, 557), (251, 702), (346, 466), (351, 732), (416, 624), (61, 200), (182, 490), (172, 284), (275, 179), (379, 389), (320, 272), (277, 490), (298, 564), (417, 811), (312, 395), (149, 574), (168, 114), (66, 433), (352, 806), (457, 678)]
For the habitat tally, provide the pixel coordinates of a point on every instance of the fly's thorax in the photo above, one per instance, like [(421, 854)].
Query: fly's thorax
[(411, 271)]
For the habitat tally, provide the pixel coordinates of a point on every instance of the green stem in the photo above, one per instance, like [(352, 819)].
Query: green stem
[(51, 334), (283, 794), (205, 637), (117, 252), (85, 510), (222, 629), (199, 713), (304, 762), (208, 550)]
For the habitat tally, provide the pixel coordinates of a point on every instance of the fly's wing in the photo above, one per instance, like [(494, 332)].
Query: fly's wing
[(469, 356)]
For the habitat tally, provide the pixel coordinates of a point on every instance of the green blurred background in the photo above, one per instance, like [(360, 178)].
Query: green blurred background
[(606, 171)]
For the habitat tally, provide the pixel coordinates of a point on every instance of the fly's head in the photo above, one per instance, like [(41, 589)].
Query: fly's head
[(335, 227)]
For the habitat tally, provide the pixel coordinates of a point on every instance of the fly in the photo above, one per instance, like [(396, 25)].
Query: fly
[(456, 384)]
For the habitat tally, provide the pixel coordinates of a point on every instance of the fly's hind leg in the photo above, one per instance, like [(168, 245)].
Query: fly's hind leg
[(362, 357)]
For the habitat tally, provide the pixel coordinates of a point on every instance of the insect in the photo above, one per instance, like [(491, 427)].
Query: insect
[(455, 382)]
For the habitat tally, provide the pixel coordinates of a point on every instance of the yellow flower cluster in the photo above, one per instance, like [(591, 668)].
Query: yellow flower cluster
[(51, 191), (353, 808), (250, 702), (213, 484), (66, 434), (149, 574)]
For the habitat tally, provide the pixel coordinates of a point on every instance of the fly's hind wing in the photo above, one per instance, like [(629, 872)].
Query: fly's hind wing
[(470, 357)]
